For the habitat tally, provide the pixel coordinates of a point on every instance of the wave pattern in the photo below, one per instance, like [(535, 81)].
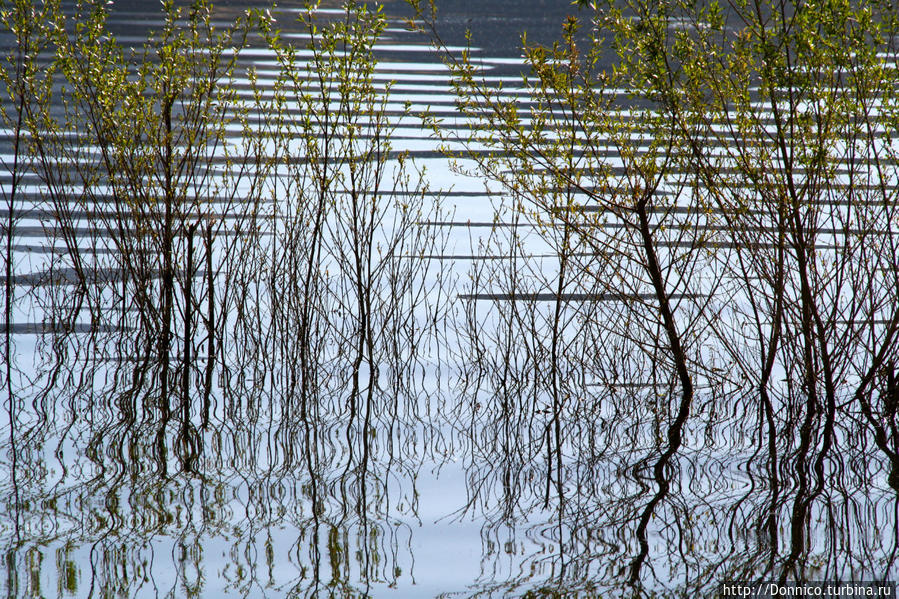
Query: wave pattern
[(444, 416)]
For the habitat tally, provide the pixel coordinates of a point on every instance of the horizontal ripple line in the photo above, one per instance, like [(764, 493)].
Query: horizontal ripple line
[(573, 297)]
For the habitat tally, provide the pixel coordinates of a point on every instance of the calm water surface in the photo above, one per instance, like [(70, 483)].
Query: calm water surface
[(439, 461)]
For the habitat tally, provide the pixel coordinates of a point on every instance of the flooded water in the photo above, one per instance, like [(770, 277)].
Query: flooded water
[(362, 373)]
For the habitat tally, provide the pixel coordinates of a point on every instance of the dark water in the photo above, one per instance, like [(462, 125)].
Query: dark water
[(445, 420)]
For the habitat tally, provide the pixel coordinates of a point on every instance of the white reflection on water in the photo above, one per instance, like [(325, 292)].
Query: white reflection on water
[(452, 497)]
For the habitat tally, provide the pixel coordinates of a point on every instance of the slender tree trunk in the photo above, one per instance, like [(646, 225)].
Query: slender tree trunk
[(167, 267), (683, 373), (210, 325)]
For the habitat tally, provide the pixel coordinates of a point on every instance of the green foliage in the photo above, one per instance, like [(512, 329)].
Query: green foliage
[(732, 170), (140, 134)]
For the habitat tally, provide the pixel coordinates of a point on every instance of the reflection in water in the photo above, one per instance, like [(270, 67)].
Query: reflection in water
[(738, 443), (243, 410), (258, 393)]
